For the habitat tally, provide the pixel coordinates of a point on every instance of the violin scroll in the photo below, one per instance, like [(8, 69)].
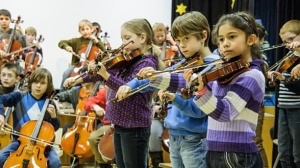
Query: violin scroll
[(163, 110)]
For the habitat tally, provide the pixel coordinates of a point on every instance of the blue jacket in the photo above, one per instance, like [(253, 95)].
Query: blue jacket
[(184, 117)]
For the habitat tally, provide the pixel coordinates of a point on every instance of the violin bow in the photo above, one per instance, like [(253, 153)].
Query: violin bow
[(182, 69), (132, 92)]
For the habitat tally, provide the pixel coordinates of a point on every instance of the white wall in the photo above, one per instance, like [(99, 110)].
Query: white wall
[(58, 19)]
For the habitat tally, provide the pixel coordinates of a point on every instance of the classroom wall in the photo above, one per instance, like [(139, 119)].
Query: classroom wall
[(58, 19)]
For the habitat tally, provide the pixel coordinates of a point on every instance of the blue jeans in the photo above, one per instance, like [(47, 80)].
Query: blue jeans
[(131, 147), (53, 159), (188, 151), (289, 138), (233, 160)]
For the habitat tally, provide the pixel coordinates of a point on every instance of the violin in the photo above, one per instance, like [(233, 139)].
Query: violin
[(88, 53), (122, 60), (10, 45), (284, 64), (31, 153), (106, 146), (75, 140), (224, 75), (164, 108), (117, 59), (33, 59)]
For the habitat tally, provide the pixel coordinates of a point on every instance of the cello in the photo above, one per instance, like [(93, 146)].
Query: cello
[(11, 45), (75, 140), (31, 152), (168, 55), (5, 139), (33, 59), (88, 53), (106, 146)]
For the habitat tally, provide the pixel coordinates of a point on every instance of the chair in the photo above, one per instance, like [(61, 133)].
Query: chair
[(165, 165)]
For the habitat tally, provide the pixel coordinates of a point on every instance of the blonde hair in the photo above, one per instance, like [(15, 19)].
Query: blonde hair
[(140, 26), (83, 23), (159, 27), (30, 30), (292, 26)]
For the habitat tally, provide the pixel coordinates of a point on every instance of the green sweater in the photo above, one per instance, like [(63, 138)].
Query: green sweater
[(77, 44)]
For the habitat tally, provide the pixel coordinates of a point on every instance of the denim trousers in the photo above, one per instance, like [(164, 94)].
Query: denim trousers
[(53, 159), (131, 147), (233, 160), (188, 151), (289, 138)]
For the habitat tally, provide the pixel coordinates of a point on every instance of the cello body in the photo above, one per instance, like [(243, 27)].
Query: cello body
[(10, 45), (87, 53), (33, 59), (106, 146), (75, 141), (37, 61), (5, 139), (33, 153), (15, 45)]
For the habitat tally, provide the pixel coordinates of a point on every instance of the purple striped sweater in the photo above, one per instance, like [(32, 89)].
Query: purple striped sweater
[(233, 111)]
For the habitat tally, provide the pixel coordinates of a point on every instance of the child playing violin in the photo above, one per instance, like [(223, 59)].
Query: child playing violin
[(288, 99), (6, 31), (74, 45), (27, 107), (187, 125), (131, 117), (233, 105)]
